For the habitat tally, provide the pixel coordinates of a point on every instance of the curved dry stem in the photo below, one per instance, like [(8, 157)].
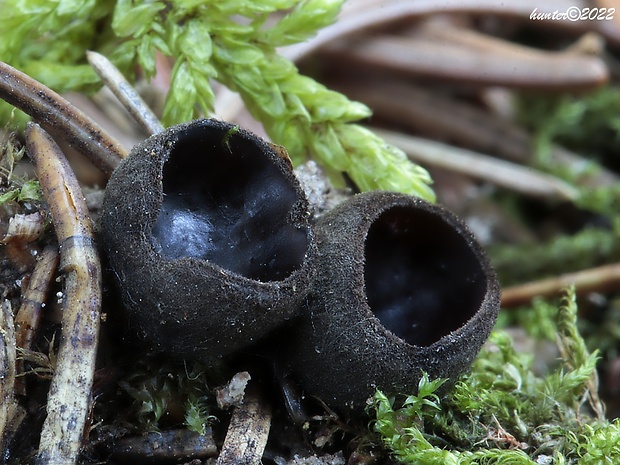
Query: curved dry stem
[(33, 300), (60, 118), (125, 93), (363, 15), (69, 398)]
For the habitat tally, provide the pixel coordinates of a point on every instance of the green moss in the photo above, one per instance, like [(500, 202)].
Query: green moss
[(48, 40), (588, 124), (166, 393), (12, 188), (590, 247), (501, 412)]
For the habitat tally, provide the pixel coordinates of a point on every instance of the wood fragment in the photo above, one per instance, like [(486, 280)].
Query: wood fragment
[(69, 399), (600, 279), (248, 431), (33, 301), (56, 115), (520, 179), (165, 447), (125, 93), (233, 394)]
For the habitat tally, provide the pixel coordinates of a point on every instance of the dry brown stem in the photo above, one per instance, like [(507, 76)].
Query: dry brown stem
[(248, 432), (56, 115), (69, 398), (171, 446), (126, 94), (499, 172), (476, 59), (362, 15), (427, 112), (600, 279), (33, 301)]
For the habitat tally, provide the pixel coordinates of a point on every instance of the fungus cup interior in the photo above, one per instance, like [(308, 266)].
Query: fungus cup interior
[(422, 279), (226, 201)]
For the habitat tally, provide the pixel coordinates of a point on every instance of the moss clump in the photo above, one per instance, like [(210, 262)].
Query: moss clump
[(163, 393)]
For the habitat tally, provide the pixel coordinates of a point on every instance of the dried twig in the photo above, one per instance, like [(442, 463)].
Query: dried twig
[(125, 93), (60, 118), (9, 409), (425, 111), (479, 60), (366, 14), (248, 432), (600, 279), (363, 15), (69, 398), (502, 173), (33, 301)]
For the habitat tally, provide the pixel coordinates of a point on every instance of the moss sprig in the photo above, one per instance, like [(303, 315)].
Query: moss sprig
[(12, 188), (162, 391), (589, 124), (585, 249), (232, 41)]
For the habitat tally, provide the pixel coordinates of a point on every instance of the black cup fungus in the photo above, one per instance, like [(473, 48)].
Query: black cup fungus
[(206, 230), (404, 288)]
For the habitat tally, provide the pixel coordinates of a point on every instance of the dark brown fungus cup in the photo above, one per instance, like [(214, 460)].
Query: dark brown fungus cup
[(403, 288), (206, 230)]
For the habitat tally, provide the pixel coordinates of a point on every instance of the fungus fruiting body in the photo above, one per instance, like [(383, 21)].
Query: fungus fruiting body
[(206, 230), (404, 289)]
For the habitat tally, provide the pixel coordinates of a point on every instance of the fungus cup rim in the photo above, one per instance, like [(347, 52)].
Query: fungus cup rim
[(488, 306), (168, 139)]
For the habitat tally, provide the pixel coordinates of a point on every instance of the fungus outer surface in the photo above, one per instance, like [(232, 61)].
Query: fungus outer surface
[(404, 288), (226, 202), (422, 279)]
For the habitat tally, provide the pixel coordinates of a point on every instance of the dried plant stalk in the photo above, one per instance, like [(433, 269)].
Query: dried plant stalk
[(362, 15), (170, 446), (502, 173), (425, 111), (248, 432), (60, 118), (488, 61), (125, 93), (33, 301), (69, 398), (600, 279), (7, 370)]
